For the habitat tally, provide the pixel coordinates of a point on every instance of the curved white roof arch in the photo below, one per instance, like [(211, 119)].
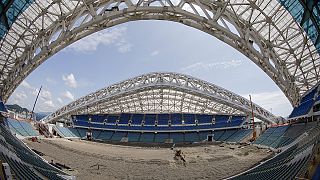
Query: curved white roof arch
[(262, 30), (162, 93)]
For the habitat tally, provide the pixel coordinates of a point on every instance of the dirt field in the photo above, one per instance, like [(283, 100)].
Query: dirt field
[(125, 162)]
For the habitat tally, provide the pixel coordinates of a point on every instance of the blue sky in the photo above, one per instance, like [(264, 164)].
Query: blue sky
[(136, 48)]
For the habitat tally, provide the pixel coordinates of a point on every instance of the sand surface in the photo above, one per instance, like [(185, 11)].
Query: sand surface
[(127, 162)]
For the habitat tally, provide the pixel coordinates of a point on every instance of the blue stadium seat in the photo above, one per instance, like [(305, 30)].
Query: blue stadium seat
[(112, 119), (177, 137), (25, 164), (106, 135), (137, 119), (81, 117), (176, 119), (124, 118), (74, 131), (133, 136), (227, 134), (221, 118), (204, 118), (147, 137), (117, 136), (21, 127), (2, 106), (189, 118), (163, 119), (82, 123), (161, 137), (82, 132), (160, 122), (191, 137), (218, 134), (96, 133), (98, 118), (203, 135), (302, 109), (309, 96), (150, 119), (239, 135)]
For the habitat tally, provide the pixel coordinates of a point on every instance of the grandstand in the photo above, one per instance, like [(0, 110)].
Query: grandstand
[(282, 37), (22, 128), (164, 127), (25, 164)]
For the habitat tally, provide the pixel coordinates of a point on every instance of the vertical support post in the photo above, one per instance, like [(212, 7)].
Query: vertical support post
[(254, 134)]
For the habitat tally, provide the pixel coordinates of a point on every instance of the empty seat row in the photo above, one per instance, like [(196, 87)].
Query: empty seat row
[(281, 136), (21, 127), (159, 137), (158, 119), (65, 132), (287, 164), (28, 162), (233, 135), (153, 128)]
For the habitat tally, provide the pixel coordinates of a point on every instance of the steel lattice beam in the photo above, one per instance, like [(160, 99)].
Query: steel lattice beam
[(262, 30), (162, 93)]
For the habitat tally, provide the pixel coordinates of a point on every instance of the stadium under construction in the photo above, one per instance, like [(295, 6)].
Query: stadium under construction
[(165, 125)]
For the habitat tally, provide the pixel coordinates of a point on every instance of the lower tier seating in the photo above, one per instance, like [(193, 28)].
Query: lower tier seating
[(281, 136), (23, 162), (21, 127), (288, 163), (65, 132), (233, 135)]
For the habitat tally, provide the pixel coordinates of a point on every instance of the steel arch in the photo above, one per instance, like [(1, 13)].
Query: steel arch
[(263, 30), (162, 93)]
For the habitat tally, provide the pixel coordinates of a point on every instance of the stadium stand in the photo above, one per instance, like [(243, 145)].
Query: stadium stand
[(65, 132), (158, 122), (306, 103), (133, 136), (105, 135), (281, 136), (160, 128), (240, 135), (227, 134), (177, 137), (2, 106), (137, 119), (288, 163), (147, 137), (22, 128), (24, 163)]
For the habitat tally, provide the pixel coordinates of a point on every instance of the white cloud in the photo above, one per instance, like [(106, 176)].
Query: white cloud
[(49, 80), (21, 96), (45, 95), (25, 84), (124, 46), (68, 95), (18, 97), (200, 66), (154, 53), (60, 100), (114, 36), (25, 96), (70, 81), (274, 101), (49, 103)]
